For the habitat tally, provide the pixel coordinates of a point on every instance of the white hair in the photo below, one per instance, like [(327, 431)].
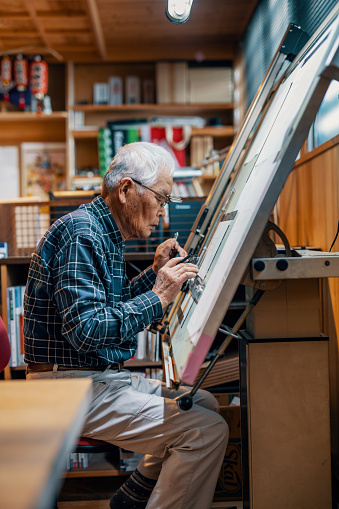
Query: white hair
[(140, 160)]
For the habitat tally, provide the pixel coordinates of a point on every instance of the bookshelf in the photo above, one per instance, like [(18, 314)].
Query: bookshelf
[(71, 92), (86, 118)]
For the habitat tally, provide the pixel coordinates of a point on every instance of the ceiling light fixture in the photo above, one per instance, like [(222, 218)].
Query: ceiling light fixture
[(178, 11)]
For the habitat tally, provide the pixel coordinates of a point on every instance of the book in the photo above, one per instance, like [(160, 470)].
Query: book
[(100, 93), (82, 460), (163, 88), (207, 142), (148, 346), (15, 296), (182, 188), (132, 90), (159, 136), (172, 82), (18, 313), (115, 90), (132, 135), (12, 326), (197, 187), (145, 132), (105, 149), (175, 190), (3, 250), (118, 138), (191, 190), (179, 83), (148, 91), (128, 131), (197, 151), (141, 345)]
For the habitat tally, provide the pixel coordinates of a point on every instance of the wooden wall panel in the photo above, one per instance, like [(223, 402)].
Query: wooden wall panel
[(308, 213), (286, 211)]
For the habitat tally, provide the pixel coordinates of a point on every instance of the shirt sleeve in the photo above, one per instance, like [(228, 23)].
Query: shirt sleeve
[(143, 282), (88, 299)]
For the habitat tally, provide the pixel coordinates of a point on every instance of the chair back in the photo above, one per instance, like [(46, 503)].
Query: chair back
[(5, 346)]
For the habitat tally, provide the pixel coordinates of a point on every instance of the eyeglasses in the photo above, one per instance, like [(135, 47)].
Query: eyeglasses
[(167, 198)]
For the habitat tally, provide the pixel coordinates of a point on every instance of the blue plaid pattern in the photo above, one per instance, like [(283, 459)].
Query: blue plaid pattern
[(80, 309)]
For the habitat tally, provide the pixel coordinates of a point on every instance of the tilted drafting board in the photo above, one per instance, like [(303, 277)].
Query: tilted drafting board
[(291, 43), (196, 316)]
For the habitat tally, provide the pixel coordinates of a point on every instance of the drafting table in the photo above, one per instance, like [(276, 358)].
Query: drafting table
[(245, 207)]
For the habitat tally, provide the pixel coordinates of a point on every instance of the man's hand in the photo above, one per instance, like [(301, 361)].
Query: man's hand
[(162, 254), (170, 279)]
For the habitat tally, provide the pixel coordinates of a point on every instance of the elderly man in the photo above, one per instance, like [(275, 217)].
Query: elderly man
[(82, 315)]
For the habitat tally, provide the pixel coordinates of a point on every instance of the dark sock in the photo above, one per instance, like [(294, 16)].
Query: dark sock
[(134, 493)]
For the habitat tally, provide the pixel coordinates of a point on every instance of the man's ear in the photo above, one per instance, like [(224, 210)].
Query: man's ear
[(124, 188)]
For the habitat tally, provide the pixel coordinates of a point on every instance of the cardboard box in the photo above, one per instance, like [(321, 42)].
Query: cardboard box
[(225, 398), (210, 85), (229, 485)]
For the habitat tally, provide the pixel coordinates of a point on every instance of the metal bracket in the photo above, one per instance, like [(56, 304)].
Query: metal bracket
[(186, 401), (226, 330)]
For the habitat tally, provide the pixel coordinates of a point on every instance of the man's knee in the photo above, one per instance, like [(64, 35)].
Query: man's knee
[(222, 428), (206, 400)]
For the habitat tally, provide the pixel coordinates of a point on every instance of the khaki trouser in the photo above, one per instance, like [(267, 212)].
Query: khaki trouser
[(184, 450)]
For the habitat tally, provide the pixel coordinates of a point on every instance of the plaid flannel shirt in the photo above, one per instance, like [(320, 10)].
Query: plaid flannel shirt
[(80, 309)]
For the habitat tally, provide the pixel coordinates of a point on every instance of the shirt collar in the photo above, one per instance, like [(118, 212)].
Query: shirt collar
[(103, 214)]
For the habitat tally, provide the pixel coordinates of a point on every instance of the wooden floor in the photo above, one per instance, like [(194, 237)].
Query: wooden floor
[(104, 504)]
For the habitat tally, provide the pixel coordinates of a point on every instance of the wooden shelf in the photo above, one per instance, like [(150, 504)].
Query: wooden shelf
[(99, 467), (103, 470), (90, 472), (13, 260), (85, 134), (9, 116), (139, 363), (152, 108), (19, 127), (208, 178), (215, 131)]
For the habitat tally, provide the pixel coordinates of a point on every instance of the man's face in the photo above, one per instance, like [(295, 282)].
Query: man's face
[(144, 208)]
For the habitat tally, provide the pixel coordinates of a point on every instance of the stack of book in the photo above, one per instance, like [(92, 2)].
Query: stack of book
[(77, 460), (15, 297), (148, 346), (195, 83), (140, 129)]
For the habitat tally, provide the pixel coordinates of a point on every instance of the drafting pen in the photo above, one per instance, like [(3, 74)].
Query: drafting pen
[(172, 251), (186, 259)]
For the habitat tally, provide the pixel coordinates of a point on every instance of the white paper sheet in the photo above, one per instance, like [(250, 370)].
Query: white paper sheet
[(9, 172)]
